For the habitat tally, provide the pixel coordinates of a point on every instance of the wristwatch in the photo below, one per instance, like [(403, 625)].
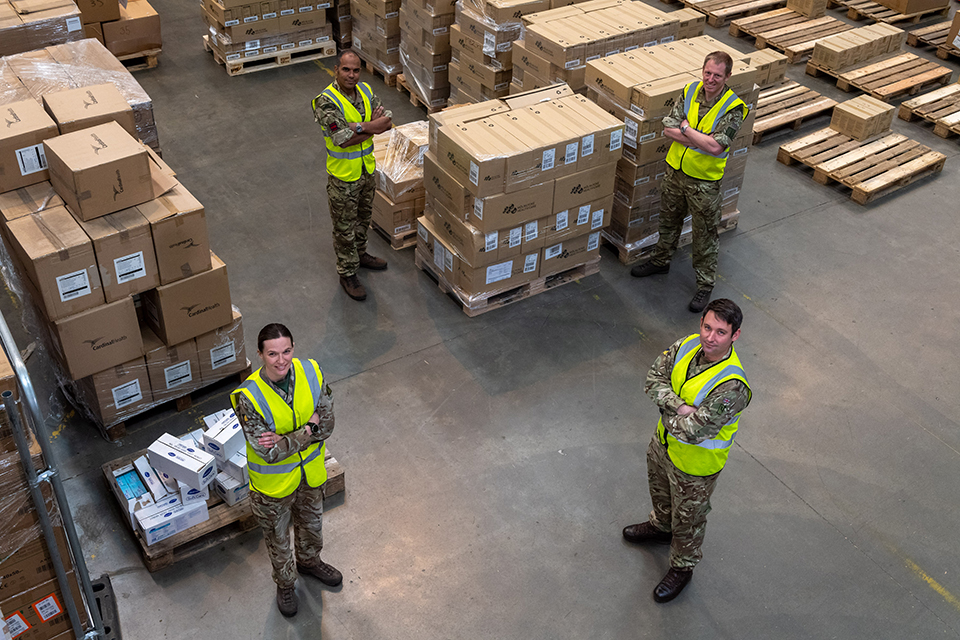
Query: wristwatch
[(683, 129), (314, 428), (359, 128)]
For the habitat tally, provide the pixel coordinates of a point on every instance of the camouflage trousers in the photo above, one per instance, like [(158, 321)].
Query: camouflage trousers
[(681, 503), (681, 195), (304, 509), (351, 207)]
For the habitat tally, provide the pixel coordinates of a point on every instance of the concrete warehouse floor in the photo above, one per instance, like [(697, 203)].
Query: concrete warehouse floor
[(491, 462)]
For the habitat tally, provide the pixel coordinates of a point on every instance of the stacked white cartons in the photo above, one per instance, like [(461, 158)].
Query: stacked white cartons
[(516, 191), (640, 87), (425, 48), (399, 200), (376, 34), (224, 438)]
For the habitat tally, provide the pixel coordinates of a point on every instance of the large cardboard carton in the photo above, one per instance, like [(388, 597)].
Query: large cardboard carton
[(103, 169), (862, 117), (222, 351), (124, 249), (394, 217), (31, 566), (915, 6), (39, 613), (953, 38), (173, 371), (512, 209), (584, 186), (180, 239), (94, 11), (98, 338), (118, 392), (58, 257), (22, 157), (26, 200), (77, 109), (445, 188), (187, 308), (137, 30), (570, 253)]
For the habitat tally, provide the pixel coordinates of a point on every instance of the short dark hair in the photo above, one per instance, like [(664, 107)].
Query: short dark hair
[(346, 52), (726, 310), (723, 58), (272, 331)]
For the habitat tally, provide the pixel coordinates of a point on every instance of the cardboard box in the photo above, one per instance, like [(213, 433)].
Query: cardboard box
[(862, 117), (93, 30), (394, 218), (187, 308), (26, 200), (230, 489), (137, 30), (117, 392), (123, 246), (445, 188), (181, 461), (173, 371), (97, 339), (23, 158), (808, 8), (39, 613), (178, 224), (237, 467), (58, 258), (129, 502), (568, 223), (507, 210), (914, 6), (221, 351), (570, 253), (31, 565), (150, 477), (94, 11), (162, 521), (470, 244), (85, 107), (583, 187), (103, 169), (224, 439), (189, 495)]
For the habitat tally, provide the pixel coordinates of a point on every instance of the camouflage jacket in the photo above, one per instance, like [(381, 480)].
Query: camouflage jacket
[(254, 425), (331, 119), (726, 127), (716, 410)]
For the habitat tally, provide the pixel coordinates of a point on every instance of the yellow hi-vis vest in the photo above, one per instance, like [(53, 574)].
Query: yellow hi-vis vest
[(347, 163), (697, 163), (708, 457), (279, 479)]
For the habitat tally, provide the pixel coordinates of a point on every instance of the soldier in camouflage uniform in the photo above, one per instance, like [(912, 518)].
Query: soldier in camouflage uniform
[(697, 437), (682, 194), (351, 201)]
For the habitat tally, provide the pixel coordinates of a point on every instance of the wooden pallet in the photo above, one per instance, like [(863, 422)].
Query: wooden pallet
[(476, 305), (868, 10), (871, 168), (941, 107), (398, 241), (947, 51), (263, 62), (404, 87), (788, 31), (225, 522), (787, 105), (140, 61), (389, 79), (900, 74), (720, 12), (642, 250), (932, 36)]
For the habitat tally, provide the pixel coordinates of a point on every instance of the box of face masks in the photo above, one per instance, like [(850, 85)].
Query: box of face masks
[(161, 521), (230, 489), (224, 439), (185, 463), (188, 494)]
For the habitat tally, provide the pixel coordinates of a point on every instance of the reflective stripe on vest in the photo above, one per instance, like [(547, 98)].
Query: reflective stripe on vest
[(707, 457), (281, 478), (348, 163), (697, 163)]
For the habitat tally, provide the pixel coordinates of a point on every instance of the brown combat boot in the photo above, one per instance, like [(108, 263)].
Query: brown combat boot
[(322, 572), (287, 601), (353, 287), (646, 533), (374, 263), (700, 300), (672, 584)]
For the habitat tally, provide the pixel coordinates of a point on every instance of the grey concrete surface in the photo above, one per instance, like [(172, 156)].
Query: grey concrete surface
[(491, 462)]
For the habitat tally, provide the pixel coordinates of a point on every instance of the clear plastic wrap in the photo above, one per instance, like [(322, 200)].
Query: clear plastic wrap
[(495, 36), (400, 171), (26, 25), (431, 86), (11, 89)]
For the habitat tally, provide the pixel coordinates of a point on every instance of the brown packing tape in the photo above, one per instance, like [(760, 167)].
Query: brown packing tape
[(62, 252), (31, 202)]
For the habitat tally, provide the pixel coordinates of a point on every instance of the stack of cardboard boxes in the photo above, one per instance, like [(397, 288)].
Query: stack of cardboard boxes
[(640, 88), (400, 196), (376, 34), (425, 48), (126, 29), (857, 45), (26, 25), (241, 29), (35, 74), (908, 7), (862, 117), (517, 189), (341, 20), (112, 240)]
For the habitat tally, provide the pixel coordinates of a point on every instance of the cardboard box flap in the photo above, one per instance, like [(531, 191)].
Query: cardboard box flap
[(27, 200), (160, 163), (52, 231), (177, 200), (161, 176)]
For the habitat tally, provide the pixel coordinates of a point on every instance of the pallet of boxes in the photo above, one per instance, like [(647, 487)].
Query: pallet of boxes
[(425, 27), (246, 37), (517, 191), (481, 41), (26, 25), (640, 87), (31, 601), (338, 15), (376, 36), (130, 30), (399, 200)]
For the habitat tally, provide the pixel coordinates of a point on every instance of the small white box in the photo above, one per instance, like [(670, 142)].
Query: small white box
[(237, 466), (230, 489), (169, 482), (188, 494), (213, 418), (133, 504), (224, 439), (163, 523), (185, 463), (150, 477)]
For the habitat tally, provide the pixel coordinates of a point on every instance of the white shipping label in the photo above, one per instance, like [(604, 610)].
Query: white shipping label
[(422, 232), (595, 56), (643, 180), (177, 374), (731, 192), (498, 272), (659, 176), (478, 207), (73, 285), (616, 139), (305, 43), (16, 624), (438, 252), (647, 137), (249, 19), (530, 263), (474, 172), (489, 43), (531, 231), (571, 154), (593, 241), (233, 56), (31, 159), (250, 54), (548, 157), (73, 24), (272, 49), (232, 23), (401, 228), (47, 608), (391, 14), (633, 107), (586, 148), (490, 241), (356, 44), (127, 394), (130, 267), (223, 355), (516, 235), (287, 12), (439, 31), (562, 220), (633, 129), (666, 39), (956, 42), (253, 44), (572, 64), (552, 252), (448, 260), (597, 221), (439, 68), (583, 215)]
